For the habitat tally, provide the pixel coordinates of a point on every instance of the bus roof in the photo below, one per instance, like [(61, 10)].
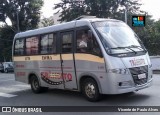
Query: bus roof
[(57, 27)]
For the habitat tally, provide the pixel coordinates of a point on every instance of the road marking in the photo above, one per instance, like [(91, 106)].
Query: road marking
[(6, 95), (7, 80), (28, 86)]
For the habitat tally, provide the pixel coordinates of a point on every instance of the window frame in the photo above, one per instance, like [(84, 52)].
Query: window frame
[(39, 44), (53, 33), (24, 47), (72, 41), (38, 37)]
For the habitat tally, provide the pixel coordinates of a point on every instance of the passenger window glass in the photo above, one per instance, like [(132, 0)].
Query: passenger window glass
[(87, 43), (48, 44), (32, 46), (67, 43), (19, 47)]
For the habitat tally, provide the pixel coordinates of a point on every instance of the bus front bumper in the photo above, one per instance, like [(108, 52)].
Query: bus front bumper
[(127, 85), (135, 88)]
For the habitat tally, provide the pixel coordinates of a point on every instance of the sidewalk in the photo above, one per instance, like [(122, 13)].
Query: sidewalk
[(156, 71), (155, 60)]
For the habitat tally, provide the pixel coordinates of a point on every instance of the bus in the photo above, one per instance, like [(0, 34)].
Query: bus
[(94, 56)]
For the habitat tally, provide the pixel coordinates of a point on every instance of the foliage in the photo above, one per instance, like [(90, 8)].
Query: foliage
[(26, 12), (154, 38), (72, 9), (6, 38), (46, 22)]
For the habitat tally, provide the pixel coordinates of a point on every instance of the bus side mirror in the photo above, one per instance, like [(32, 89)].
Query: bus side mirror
[(100, 54), (90, 34), (97, 52)]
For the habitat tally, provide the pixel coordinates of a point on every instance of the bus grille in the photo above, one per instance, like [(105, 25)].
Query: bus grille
[(139, 70)]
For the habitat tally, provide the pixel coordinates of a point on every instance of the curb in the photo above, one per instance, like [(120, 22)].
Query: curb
[(154, 56), (156, 71)]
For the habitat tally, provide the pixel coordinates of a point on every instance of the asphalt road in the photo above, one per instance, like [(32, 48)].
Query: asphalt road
[(13, 93)]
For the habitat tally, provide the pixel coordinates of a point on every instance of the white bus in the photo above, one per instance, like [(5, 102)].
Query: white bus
[(92, 55)]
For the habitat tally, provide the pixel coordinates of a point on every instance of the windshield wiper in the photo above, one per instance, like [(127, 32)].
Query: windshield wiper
[(118, 48), (135, 46), (132, 50), (128, 47)]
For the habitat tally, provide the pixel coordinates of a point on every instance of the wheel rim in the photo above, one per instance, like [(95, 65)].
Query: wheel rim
[(6, 70), (35, 84), (90, 90)]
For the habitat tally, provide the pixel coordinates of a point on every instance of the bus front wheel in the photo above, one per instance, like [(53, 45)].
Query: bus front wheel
[(35, 86), (90, 90)]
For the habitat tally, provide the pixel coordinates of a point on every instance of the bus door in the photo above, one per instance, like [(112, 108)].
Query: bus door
[(67, 60), (51, 64)]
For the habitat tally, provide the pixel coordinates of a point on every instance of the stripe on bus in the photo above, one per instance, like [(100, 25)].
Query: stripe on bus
[(78, 56)]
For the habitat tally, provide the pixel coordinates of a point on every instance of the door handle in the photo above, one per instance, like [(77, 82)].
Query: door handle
[(62, 61)]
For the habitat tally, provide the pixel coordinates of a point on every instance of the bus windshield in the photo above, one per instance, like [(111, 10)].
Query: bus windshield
[(117, 35)]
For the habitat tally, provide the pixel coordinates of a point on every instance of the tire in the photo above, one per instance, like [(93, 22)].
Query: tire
[(35, 86), (90, 90), (2, 71), (6, 70)]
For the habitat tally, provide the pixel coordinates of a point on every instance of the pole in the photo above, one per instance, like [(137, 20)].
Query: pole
[(17, 22), (125, 16)]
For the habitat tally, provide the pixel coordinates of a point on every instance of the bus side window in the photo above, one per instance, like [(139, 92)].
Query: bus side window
[(19, 47), (32, 45), (87, 43), (82, 41), (67, 42), (48, 44)]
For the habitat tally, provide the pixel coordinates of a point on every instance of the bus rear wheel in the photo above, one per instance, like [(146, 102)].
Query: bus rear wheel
[(35, 86), (90, 90), (6, 70)]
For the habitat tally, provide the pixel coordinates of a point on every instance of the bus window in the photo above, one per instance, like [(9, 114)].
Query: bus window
[(32, 45), (67, 42), (82, 41), (19, 47), (86, 43), (48, 44)]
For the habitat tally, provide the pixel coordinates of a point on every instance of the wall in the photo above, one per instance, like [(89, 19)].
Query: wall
[(155, 60)]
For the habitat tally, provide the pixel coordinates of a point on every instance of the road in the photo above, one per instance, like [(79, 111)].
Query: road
[(13, 93)]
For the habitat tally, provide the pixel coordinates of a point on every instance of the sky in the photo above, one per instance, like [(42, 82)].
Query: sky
[(47, 9), (151, 6)]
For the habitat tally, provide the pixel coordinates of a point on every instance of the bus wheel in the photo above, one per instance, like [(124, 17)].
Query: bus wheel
[(90, 90), (35, 86), (6, 70)]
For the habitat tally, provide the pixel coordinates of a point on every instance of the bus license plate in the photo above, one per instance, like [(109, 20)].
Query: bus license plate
[(141, 76)]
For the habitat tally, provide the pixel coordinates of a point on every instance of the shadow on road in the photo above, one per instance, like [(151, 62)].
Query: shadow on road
[(120, 99), (70, 98), (126, 99)]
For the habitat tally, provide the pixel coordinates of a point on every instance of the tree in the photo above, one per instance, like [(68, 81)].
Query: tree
[(27, 11), (6, 37), (154, 40), (71, 9), (46, 22)]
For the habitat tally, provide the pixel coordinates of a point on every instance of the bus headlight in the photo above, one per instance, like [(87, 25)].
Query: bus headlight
[(119, 71)]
